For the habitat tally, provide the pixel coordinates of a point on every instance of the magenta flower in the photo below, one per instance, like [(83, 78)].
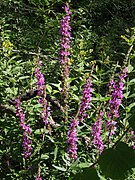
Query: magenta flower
[(116, 94), (65, 31), (111, 127), (65, 35), (86, 99), (41, 87), (27, 143), (40, 81), (72, 139), (96, 133), (38, 178)]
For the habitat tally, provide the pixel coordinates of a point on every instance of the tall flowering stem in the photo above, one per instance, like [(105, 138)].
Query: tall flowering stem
[(27, 143), (41, 87), (65, 31), (86, 99), (96, 132), (72, 139), (81, 114), (116, 96), (45, 113)]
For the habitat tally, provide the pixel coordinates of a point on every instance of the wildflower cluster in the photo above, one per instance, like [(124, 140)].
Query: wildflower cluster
[(96, 132), (27, 143), (72, 132), (42, 93), (116, 94), (40, 81), (86, 99), (65, 30), (72, 139), (65, 35)]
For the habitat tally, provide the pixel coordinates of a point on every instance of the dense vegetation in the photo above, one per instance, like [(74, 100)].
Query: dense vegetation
[(67, 103)]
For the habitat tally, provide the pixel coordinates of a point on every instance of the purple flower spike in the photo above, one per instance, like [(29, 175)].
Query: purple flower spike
[(72, 139), (40, 81), (27, 143), (41, 92), (96, 133), (65, 35), (86, 99), (65, 31), (111, 127), (116, 94)]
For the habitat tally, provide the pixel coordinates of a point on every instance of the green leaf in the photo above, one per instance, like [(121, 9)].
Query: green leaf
[(75, 97), (84, 165), (55, 152), (130, 68), (57, 85), (131, 121), (87, 174), (59, 168), (131, 105), (39, 131), (50, 138), (117, 163), (44, 156), (23, 77), (132, 81), (49, 88), (132, 95)]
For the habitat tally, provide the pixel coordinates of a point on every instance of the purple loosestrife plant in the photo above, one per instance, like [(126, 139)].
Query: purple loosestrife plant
[(72, 132), (27, 143), (72, 139), (86, 99), (116, 96), (96, 133), (42, 93), (65, 30), (65, 35)]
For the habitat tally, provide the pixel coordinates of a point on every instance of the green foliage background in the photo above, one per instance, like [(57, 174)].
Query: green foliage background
[(103, 33)]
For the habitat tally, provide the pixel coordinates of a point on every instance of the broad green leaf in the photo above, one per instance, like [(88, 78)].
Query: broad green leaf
[(87, 174), (117, 163)]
